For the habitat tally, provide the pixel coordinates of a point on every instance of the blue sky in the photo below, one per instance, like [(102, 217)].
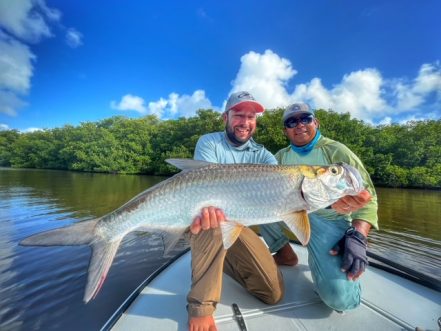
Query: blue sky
[(67, 62)]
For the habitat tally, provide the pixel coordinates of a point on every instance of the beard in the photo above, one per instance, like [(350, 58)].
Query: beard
[(235, 140)]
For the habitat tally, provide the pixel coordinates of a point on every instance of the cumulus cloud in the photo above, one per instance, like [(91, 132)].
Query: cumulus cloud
[(174, 106), (4, 127), (23, 23), (359, 93), (364, 93), (413, 94), (130, 102), (31, 130), (74, 38), (15, 65), (9, 103), (27, 19), (266, 76), (16, 70)]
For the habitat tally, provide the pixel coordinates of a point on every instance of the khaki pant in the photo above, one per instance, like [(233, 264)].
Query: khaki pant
[(248, 261)]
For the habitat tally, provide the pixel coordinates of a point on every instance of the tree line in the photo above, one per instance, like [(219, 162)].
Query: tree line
[(397, 155)]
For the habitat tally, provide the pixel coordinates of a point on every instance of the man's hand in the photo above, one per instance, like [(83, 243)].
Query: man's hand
[(350, 203), (210, 218), (353, 248)]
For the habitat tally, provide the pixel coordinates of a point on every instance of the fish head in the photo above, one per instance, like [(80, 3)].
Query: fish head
[(327, 184)]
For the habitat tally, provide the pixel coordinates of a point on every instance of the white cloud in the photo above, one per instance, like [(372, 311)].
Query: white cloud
[(9, 103), (15, 65), (157, 107), (174, 106), (4, 127), (74, 38), (428, 81), (23, 22), (386, 121), (363, 93), (31, 130), (359, 93), (26, 19), (186, 105), (265, 75), (130, 102), (16, 71)]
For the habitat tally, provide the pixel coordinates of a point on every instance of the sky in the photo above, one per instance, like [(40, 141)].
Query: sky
[(68, 62)]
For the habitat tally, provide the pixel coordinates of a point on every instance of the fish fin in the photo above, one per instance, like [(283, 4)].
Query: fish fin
[(230, 232), (80, 233), (171, 238), (298, 223), (187, 164), (103, 254)]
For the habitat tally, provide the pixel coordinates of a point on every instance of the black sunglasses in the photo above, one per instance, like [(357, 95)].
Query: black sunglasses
[(293, 122)]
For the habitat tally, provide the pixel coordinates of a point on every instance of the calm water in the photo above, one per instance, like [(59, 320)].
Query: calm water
[(42, 288)]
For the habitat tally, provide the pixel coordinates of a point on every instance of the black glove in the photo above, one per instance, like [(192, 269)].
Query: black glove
[(353, 247)]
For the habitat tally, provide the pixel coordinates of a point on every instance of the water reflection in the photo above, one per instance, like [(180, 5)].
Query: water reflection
[(410, 211), (85, 194), (42, 287)]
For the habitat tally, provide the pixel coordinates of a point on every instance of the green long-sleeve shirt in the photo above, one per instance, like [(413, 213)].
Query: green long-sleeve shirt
[(328, 151)]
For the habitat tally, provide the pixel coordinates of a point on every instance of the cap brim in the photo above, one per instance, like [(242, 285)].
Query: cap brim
[(246, 104)]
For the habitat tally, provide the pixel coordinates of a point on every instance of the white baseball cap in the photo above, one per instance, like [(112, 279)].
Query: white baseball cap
[(239, 99)]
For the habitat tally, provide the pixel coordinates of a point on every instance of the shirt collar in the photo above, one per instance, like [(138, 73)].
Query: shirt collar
[(250, 145)]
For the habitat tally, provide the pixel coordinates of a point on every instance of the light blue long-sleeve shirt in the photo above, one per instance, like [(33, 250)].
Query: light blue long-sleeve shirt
[(215, 148)]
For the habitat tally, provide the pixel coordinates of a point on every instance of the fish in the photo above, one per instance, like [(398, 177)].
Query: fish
[(249, 194)]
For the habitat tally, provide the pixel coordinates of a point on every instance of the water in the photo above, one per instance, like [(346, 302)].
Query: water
[(42, 287)]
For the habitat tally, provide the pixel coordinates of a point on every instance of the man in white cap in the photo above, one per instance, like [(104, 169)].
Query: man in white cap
[(249, 260), (236, 145)]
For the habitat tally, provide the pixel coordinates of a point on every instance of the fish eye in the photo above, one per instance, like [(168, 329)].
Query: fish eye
[(334, 170)]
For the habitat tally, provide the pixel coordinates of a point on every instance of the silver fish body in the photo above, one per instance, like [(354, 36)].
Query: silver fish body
[(249, 194)]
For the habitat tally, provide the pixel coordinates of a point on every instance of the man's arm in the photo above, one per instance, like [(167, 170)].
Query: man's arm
[(205, 150)]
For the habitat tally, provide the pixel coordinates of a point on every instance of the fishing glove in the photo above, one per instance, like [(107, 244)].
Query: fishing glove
[(353, 248)]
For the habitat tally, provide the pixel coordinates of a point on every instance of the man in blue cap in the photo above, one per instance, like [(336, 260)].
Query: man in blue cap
[(337, 231)]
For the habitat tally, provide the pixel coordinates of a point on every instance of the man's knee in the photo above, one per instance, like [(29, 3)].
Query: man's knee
[(273, 296), (340, 294)]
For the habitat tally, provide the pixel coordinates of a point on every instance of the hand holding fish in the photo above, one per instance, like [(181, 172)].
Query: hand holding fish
[(350, 203), (210, 218)]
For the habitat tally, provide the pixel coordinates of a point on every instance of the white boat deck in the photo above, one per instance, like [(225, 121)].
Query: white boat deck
[(389, 302)]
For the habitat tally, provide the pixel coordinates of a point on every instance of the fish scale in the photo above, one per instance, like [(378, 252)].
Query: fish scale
[(248, 194)]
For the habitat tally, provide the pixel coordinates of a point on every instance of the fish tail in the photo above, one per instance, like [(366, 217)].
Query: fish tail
[(80, 233), (103, 253)]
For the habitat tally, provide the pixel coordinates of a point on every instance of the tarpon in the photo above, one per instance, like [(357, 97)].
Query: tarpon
[(249, 194)]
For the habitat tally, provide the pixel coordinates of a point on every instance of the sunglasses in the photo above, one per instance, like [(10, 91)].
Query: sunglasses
[(293, 122)]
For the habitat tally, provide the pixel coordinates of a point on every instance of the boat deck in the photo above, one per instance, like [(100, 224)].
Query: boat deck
[(389, 302)]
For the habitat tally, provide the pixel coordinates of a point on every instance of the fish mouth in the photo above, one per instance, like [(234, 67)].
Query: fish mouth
[(355, 178)]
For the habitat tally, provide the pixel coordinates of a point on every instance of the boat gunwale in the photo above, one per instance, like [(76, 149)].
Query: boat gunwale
[(379, 262)]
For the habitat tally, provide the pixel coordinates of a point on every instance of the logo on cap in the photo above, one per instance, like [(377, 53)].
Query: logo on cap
[(245, 95)]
